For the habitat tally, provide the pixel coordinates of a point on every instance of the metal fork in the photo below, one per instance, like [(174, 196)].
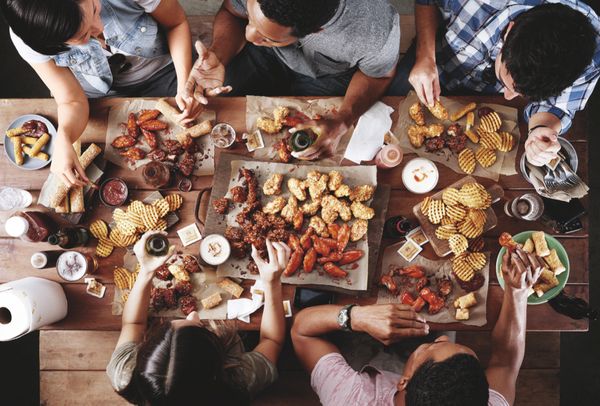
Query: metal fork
[(550, 180), (569, 175)]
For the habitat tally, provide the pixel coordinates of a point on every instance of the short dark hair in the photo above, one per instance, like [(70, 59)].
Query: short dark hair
[(547, 49), (457, 381), (44, 25), (180, 366), (303, 16)]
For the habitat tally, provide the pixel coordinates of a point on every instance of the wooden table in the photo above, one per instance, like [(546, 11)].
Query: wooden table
[(89, 313)]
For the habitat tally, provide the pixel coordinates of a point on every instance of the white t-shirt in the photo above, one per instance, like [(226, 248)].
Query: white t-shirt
[(141, 68)]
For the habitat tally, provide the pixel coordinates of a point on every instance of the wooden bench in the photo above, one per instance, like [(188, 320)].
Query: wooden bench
[(72, 365)]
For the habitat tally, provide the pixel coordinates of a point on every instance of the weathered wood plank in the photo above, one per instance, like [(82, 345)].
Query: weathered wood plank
[(71, 388), (76, 350)]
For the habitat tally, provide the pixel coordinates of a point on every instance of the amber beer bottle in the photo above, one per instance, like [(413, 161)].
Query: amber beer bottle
[(157, 245), (70, 237)]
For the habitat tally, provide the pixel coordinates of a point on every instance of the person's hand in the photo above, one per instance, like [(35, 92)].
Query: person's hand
[(425, 80), (542, 146), (190, 108), (388, 323), (279, 256), (66, 165), (150, 263), (521, 270), (206, 77), (330, 131)]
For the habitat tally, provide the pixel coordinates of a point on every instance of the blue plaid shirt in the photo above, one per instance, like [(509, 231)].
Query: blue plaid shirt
[(474, 39)]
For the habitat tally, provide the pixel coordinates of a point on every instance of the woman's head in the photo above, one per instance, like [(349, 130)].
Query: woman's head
[(181, 362), (444, 372), (50, 26)]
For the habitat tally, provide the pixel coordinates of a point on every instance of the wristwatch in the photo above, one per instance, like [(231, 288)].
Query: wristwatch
[(535, 128), (343, 318)]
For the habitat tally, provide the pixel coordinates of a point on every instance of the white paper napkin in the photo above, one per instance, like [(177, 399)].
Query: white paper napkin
[(241, 309), (575, 192), (367, 138)]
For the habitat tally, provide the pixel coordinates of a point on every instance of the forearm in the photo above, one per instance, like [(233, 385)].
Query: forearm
[(363, 91), (272, 326), (508, 335), (72, 118), (136, 307), (228, 35), (180, 46), (545, 119), (426, 21), (317, 321)]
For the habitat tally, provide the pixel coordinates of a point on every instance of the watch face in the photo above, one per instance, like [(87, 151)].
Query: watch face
[(343, 318)]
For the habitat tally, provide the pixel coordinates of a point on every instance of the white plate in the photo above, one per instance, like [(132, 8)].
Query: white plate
[(30, 164)]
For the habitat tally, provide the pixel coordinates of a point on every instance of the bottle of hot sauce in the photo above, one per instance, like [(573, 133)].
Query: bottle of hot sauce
[(32, 226)]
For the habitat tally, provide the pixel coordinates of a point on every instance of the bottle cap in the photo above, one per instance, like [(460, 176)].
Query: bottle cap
[(39, 260), (16, 226)]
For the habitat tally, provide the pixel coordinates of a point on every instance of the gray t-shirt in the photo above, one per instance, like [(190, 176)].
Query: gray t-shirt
[(363, 34)]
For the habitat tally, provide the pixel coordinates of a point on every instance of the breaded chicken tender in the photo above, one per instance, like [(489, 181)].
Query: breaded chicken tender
[(345, 212), (311, 208), (297, 188), (359, 229), (319, 226), (335, 180), (290, 209), (272, 185), (342, 191), (362, 193), (275, 206), (361, 211), (268, 125), (280, 113)]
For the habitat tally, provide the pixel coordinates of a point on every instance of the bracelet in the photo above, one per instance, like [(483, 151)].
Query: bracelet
[(536, 127)]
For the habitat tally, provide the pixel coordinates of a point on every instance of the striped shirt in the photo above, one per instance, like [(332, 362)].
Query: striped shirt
[(474, 38)]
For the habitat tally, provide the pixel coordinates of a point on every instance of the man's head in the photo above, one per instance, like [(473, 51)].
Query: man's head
[(278, 23), (545, 50), (51, 26), (444, 373)]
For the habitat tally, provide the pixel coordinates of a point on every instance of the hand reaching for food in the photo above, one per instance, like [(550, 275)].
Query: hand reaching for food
[(542, 146), (330, 131), (521, 269), (279, 255), (66, 165), (425, 80), (389, 323), (206, 78), (150, 263)]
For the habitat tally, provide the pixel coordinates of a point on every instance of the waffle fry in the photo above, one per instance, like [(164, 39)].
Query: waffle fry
[(469, 229), (486, 157), (425, 205), (119, 215), (489, 140), (458, 243), (137, 220), (451, 196), (439, 111), (99, 229), (462, 270), (136, 207), (476, 260), (474, 196), (162, 207), (150, 217), (456, 213), (476, 244), (124, 297), (478, 217), (127, 227), (446, 231), (507, 142), (120, 240), (132, 278), (161, 225), (466, 160), (446, 220), (436, 211), (104, 248), (490, 122), (121, 278), (175, 201)]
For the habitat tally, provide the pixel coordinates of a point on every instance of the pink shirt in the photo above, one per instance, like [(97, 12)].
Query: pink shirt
[(337, 384)]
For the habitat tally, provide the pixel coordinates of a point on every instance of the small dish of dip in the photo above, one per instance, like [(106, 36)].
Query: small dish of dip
[(113, 192), (420, 175), (214, 249)]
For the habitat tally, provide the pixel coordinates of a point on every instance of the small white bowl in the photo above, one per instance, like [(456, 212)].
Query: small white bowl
[(420, 175)]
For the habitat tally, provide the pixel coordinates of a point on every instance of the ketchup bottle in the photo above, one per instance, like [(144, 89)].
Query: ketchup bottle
[(32, 226)]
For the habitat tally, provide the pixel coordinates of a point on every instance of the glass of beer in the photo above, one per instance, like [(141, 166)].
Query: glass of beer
[(72, 265), (529, 206)]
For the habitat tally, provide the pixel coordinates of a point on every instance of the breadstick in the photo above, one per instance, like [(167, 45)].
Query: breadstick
[(37, 147), (13, 132), (85, 160), (196, 131), (168, 111), (76, 193), (18, 150), (472, 136), (460, 113), (29, 140), (40, 155), (470, 120)]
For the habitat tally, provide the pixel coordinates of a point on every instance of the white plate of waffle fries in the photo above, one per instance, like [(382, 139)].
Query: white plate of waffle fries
[(455, 217)]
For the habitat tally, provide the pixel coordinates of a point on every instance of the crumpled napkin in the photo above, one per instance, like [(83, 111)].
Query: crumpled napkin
[(536, 174), (241, 309), (368, 136)]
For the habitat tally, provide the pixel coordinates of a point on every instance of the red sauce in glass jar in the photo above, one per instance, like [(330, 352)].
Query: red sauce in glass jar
[(114, 192)]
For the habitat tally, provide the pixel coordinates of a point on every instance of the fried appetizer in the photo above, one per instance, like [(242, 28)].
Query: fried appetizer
[(275, 206), (289, 210), (416, 135), (438, 110), (268, 125), (311, 208), (361, 211), (359, 229), (297, 188), (345, 211), (221, 205), (317, 184), (335, 180), (280, 113), (434, 130), (417, 113), (272, 185), (362, 193), (342, 191), (319, 226)]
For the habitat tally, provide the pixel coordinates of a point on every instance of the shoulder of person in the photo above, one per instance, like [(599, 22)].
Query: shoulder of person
[(121, 365), (26, 52)]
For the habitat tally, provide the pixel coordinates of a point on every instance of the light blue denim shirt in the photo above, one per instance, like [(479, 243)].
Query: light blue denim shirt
[(128, 28)]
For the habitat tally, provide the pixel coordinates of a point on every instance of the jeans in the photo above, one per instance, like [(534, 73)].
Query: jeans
[(259, 71), (161, 84)]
